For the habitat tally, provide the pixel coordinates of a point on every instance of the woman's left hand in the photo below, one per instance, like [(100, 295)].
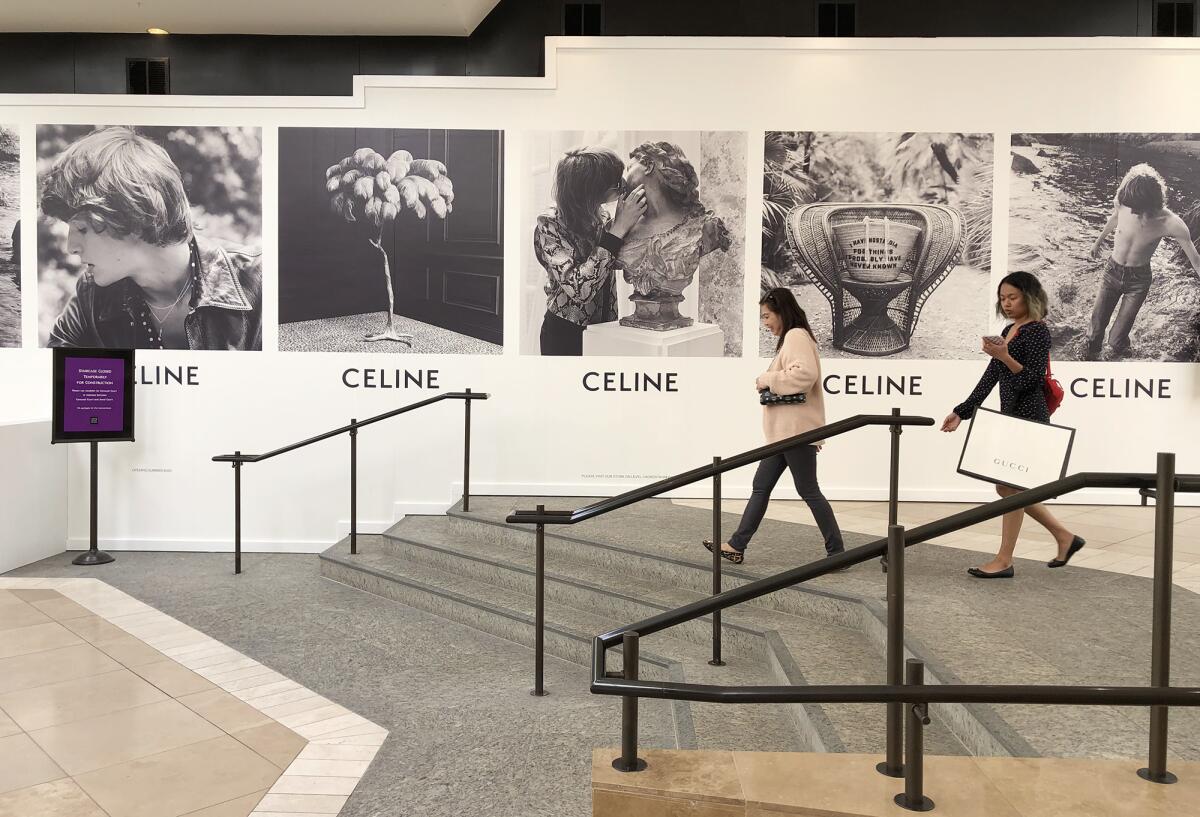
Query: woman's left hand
[(997, 350), (760, 383)]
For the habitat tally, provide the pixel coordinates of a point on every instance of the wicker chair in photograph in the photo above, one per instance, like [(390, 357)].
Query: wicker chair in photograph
[(877, 264)]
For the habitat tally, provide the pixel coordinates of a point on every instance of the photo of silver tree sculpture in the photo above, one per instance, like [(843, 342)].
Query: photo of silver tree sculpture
[(366, 189)]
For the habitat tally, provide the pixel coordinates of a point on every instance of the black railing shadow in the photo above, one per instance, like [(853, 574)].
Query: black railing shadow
[(1163, 484), (238, 459)]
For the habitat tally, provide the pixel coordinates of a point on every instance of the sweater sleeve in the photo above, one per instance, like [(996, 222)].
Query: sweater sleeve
[(991, 375), (797, 365)]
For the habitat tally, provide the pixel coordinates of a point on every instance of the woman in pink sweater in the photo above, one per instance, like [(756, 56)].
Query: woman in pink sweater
[(796, 369)]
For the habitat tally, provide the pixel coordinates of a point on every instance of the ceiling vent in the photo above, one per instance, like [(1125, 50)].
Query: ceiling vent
[(148, 76)]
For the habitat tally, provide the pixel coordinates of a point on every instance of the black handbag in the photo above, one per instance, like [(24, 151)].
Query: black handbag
[(770, 398)]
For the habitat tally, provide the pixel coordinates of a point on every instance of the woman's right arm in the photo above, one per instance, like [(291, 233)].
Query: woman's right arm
[(578, 280), (991, 376)]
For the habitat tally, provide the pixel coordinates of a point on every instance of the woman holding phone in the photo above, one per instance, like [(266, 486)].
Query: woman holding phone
[(1019, 356)]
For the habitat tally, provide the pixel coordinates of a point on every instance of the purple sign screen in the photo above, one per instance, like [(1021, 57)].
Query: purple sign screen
[(93, 394)]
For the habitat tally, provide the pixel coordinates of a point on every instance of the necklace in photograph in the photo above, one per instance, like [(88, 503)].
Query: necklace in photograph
[(161, 313)]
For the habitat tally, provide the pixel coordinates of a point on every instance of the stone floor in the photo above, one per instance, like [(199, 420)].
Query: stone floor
[(345, 334)]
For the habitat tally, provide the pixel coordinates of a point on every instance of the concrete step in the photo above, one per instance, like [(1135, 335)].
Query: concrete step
[(797, 650), (508, 613)]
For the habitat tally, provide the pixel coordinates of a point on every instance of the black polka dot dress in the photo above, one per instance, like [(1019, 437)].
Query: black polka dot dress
[(1022, 394)]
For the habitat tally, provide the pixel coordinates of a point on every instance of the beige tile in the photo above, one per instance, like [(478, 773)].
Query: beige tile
[(36, 594), (295, 707), (607, 803), (330, 726), (298, 694), (708, 776), (77, 699), (330, 768), (224, 710), (36, 638), (132, 652), (273, 741), (222, 678), (296, 784), (266, 689), (173, 679), (61, 609), (23, 764), (180, 781), (86, 745), (302, 803), (250, 682), (7, 725), (21, 615), (95, 629), (849, 784), (318, 751), (1069, 787), (312, 716), (240, 807), (51, 666), (61, 798)]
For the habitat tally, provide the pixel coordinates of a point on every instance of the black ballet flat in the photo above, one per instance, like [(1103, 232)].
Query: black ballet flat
[(737, 558), (1006, 573), (1076, 545)]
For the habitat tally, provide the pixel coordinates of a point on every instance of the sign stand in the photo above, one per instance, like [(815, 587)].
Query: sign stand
[(93, 403), (93, 555)]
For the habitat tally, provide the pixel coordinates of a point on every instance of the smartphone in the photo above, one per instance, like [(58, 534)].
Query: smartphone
[(995, 339)]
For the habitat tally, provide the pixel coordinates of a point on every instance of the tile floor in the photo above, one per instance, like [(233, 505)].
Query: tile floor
[(1120, 538), (110, 708)]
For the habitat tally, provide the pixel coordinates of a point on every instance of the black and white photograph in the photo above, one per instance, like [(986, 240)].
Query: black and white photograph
[(10, 237), (1108, 223), (150, 237), (391, 240), (885, 239), (635, 243)]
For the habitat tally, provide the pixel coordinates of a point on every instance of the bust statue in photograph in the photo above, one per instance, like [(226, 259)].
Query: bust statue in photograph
[(662, 253), (877, 264)]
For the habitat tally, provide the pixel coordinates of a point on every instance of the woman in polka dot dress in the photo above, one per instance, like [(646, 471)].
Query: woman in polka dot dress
[(1019, 362)]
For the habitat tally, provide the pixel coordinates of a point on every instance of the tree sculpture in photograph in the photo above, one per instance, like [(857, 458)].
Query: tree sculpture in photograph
[(367, 189)]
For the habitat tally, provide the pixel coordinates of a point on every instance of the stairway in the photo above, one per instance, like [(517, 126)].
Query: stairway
[(474, 569)]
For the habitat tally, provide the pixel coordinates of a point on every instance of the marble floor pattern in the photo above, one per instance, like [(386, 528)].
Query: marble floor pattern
[(111, 708), (1120, 538)]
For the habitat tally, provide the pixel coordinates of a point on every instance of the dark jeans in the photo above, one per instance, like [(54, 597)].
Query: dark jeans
[(1128, 285), (561, 337), (802, 460)]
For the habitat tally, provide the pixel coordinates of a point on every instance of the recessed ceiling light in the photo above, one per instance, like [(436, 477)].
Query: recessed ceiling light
[(157, 31)]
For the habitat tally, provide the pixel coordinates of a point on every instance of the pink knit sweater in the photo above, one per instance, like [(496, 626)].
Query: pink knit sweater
[(797, 368)]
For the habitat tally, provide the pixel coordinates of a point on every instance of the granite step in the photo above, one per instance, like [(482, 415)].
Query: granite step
[(799, 650), (508, 613)]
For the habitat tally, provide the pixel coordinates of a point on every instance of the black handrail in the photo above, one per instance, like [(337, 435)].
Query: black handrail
[(542, 517), (871, 550), (708, 471), (237, 459), (1165, 483)]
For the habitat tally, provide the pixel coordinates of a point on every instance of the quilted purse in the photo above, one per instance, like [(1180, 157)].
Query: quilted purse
[(770, 398)]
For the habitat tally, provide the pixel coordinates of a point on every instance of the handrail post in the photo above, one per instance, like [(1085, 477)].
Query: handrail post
[(1160, 638), (716, 571), (237, 515), (629, 761), (913, 797), (893, 481), (353, 486), (539, 614), (466, 496), (893, 766)]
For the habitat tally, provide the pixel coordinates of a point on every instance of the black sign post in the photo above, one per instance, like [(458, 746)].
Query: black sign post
[(93, 403)]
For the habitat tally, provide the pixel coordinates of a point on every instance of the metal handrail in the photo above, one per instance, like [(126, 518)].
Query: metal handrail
[(1164, 484), (354, 425), (708, 471), (542, 517), (237, 459)]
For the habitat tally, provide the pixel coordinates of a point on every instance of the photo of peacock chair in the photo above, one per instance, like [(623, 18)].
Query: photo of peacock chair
[(877, 264)]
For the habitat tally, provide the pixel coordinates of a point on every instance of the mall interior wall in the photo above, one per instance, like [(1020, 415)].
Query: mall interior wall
[(510, 42)]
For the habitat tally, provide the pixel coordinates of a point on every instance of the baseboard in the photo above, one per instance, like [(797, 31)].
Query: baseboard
[(202, 546), (367, 526)]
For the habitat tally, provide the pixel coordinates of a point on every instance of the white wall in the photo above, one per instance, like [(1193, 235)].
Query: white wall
[(542, 431), (33, 523)]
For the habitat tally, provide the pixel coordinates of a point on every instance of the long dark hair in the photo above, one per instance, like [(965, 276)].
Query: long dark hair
[(582, 182), (1037, 303), (782, 302)]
